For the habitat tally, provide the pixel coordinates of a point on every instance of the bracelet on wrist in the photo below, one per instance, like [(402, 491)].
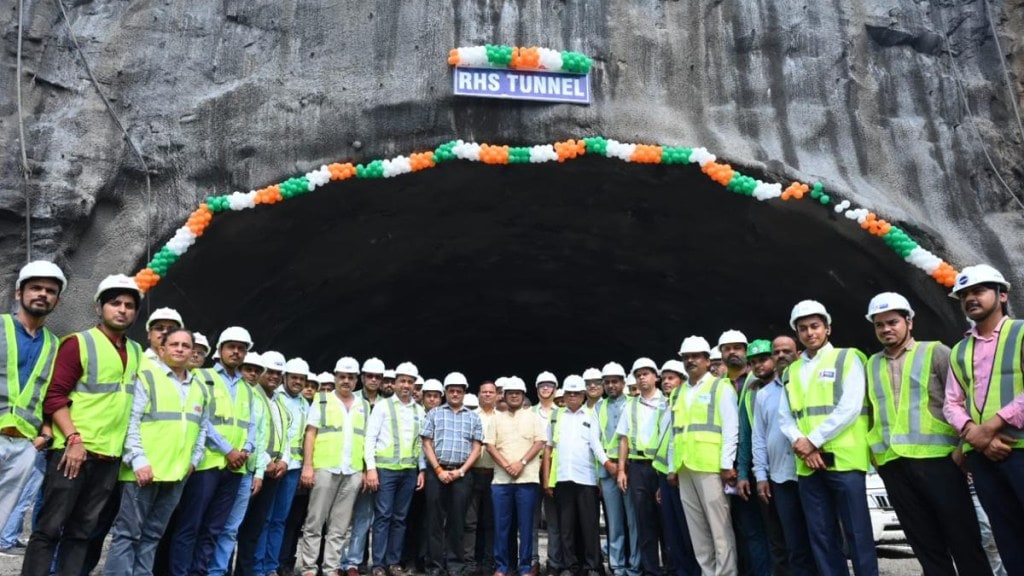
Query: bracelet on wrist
[(438, 469)]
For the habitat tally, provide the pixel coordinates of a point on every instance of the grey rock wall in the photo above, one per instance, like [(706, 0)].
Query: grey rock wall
[(870, 97)]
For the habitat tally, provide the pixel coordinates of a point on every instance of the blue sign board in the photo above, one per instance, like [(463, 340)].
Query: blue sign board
[(519, 85)]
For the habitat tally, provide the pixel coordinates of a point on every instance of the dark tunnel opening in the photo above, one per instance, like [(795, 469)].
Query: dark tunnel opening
[(500, 270)]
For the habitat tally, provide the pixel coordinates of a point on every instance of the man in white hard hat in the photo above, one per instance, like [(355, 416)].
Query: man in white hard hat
[(547, 388), (417, 390), (823, 413), (89, 402), (387, 384), (620, 516), (717, 365), (702, 452), (514, 439), (433, 394), (23, 436), (638, 439), (158, 323), (200, 350), (372, 377), (333, 468), (595, 387), (985, 404), (912, 444), (231, 436), (394, 470), (569, 475), (631, 386), (480, 513)]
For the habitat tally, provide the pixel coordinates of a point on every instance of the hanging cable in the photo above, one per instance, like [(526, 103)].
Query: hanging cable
[(21, 139), (1006, 73)]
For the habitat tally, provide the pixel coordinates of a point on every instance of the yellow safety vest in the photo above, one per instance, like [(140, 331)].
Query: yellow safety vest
[(1006, 382), (609, 439), (20, 404), (169, 427), (330, 433), (230, 417), (640, 448), (101, 401), (697, 429), (812, 407), (395, 454), (912, 432), (276, 432)]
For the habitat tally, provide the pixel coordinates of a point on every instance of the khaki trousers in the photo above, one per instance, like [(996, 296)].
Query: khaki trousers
[(330, 503), (707, 517)]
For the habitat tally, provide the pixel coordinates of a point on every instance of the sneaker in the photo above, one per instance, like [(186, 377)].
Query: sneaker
[(12, 551), (395, 570)]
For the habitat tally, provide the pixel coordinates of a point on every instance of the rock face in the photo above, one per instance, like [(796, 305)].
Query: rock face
[(900, 106)]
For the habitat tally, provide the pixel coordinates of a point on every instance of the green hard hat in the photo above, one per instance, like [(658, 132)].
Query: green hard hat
[(760, 346)]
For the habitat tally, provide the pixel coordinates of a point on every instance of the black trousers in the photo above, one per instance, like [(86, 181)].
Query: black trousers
[(480, 522), (643, 485), (934, 505), (776, 537), (253, 525), (71, 511), (446, 517), (578, 525)]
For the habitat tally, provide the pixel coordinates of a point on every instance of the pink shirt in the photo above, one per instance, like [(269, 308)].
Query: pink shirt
[(954, 407)]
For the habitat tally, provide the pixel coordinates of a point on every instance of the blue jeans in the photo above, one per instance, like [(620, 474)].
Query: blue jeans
[(751, 538), (226, 540), (274, 532), (205, 505), (362, 519), (830, 497), (794, 528), (16, 521), (520, 500), (390, 508), (1000, 487), (675, 534), (141, 520), (17, 457), (621, 521)]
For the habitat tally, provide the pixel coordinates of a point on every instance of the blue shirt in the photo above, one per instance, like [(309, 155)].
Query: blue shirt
[(29, 349), (772, 451), (453, 433), (213, 438)]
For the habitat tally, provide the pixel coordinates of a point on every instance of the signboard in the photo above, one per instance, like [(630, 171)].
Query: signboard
[(518, 85)]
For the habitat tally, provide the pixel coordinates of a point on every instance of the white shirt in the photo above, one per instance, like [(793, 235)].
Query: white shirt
[(646, 418), (847, 409), (297, 407), (727, 412), (313, 419), (378, 429), (579, 447)]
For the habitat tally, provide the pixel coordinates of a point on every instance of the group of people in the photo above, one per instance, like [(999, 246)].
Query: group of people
[(754, 464)]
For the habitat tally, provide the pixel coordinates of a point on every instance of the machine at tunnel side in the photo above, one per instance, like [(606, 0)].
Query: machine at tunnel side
[(517, 269)]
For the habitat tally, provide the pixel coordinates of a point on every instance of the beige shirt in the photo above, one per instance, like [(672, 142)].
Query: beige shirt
[(485, 460), (513, 435)]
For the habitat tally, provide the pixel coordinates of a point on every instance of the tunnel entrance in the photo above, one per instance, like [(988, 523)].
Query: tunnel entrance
[(497, 270)]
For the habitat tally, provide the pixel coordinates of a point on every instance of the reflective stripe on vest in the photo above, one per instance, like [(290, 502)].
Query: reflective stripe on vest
[(329, 444), (20, 401), (919, 433), (230, 421), (607, 428), (275, 444), (1007, 377), (399, 458), (698, 435)]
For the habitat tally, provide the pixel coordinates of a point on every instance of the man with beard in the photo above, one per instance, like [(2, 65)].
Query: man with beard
[(985, 404), (823, 415), (89, 401), (753, 556), (387, 384), (372, 378), (22, 433), (774, 464), (620, 516), (211, 490)]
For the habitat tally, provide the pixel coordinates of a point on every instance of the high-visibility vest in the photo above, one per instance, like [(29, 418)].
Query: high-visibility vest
[(277, 431), (330, 433), (639, 448), (395, 454), (912, 431), (697, 429), (20, 402), (101, 401), (607, 427), (1007, 379), (295, 443), (556, 425), (812, 404), (748, 395), (168, 427), (230, 417), (660, 462)]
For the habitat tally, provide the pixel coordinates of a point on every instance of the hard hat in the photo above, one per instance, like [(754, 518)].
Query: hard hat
[(235, 334), (546, 377), (592, 374), (433, 385), (674, 366), (559, 393), (978, 274), (201, 340), (165, 314), (327, 377), (758, 347), (887, 302), (373, 366), (613, 369), (808, 308), (732, 337), (644, 363), (296, 366), (274, 360), (500, 381), (254, 359), (455, 379), (715, 354), (348, 365), (630, 380), (514, 384), (42, 269), (573, 383), (117, 282), (407, 369), (418, 382), (471, 401), (391, 375), (312, 377), (695, 345)]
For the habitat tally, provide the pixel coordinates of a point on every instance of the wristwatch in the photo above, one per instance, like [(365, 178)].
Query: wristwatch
[(523, 461), (461, 473)]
